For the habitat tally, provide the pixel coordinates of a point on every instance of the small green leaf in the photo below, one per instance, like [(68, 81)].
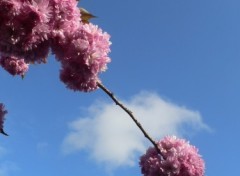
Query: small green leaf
[(85, 15)]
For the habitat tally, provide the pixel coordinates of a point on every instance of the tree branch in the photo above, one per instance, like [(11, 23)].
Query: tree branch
[(111, 95)]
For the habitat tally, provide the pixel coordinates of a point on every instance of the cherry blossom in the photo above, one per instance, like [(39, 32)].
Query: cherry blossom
[(178, 158)]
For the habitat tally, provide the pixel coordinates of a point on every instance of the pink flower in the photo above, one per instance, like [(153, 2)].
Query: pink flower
[(14, 65), (28, 29), (83, 55), (27, 25), (179, 158), (24, 29), (3, 112), (65, 17)]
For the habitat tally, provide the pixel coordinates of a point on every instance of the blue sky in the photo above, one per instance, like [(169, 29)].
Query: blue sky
[(174, 63)]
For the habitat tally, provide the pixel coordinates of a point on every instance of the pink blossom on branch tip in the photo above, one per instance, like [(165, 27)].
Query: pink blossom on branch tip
[(179, 158), (83, 55)]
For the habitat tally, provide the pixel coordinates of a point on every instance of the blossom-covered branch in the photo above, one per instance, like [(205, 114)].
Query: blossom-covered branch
[(31, 28)]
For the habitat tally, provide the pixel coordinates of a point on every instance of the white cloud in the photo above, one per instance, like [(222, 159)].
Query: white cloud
[(110, 136)]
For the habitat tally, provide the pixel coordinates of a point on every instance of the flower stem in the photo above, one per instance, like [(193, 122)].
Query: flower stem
[(129, 112)]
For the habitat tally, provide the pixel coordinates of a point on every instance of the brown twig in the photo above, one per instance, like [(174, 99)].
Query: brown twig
[(111, 95)]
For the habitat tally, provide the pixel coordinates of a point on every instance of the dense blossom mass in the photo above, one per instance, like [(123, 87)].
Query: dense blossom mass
[(24, 29), (30, 28), (178, 158)]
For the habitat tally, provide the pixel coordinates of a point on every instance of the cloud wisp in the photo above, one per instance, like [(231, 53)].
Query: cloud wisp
[(7, 167), (111, 137)]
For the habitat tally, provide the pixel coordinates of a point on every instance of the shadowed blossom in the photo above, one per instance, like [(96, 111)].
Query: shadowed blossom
[(24, 29)]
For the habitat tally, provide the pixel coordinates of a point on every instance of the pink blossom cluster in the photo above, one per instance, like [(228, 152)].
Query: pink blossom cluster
[(30, 28), (3, 112), (24, 29), (83, 54), (178, 158), (13, 65)]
